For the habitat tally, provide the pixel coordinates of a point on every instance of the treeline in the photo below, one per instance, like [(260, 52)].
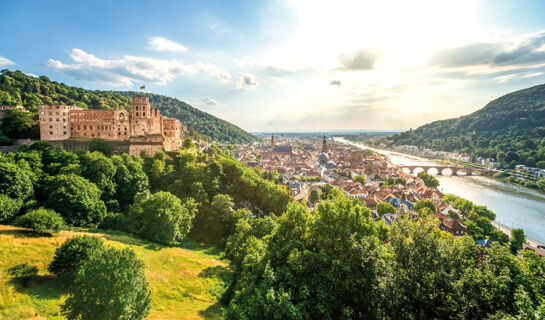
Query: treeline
[(510, 129), (16, 88), (338, 263), (163, 198)]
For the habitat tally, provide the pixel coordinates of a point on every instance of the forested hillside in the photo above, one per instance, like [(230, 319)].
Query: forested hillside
[(16, 88), (510, 128)]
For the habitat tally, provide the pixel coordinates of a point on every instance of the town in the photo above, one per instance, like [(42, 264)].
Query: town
[(308, 165)]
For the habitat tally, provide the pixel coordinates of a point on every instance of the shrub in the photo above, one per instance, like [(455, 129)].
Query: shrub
[(9, 207), (42, 221), (23, 273), (115, 221), (112, 285), (74, 252)]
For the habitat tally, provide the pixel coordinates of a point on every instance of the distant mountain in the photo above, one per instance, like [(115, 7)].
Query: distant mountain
[(16, 88), (510, 128)]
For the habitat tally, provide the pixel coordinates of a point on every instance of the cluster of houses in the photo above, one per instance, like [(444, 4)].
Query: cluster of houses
[(535, 171), (310, 165)]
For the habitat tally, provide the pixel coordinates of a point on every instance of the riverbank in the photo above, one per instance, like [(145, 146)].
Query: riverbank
[(514, 205), (505, 229)]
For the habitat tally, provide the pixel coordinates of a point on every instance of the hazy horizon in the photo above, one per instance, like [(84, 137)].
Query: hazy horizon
[(288, 65)]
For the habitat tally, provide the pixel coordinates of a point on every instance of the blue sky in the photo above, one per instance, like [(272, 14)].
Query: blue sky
[(288, 65)]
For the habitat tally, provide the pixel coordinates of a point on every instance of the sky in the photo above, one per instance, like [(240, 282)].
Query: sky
[(288, 65)]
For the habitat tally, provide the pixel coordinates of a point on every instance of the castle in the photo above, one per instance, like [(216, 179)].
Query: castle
[(141, 130)]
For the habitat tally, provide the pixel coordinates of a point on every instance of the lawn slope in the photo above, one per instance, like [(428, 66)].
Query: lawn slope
[(185, 283)]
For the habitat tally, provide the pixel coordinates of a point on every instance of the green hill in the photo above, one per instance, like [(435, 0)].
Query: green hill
[(185, 283), (510, 128), (16, 88)]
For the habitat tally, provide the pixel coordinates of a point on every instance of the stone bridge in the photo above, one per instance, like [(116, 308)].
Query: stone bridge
[(455, 171)]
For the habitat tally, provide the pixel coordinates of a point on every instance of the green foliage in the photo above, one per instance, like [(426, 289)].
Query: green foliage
[(100, 145), (421, 204), (17, 124), (517, 240), (510, 129), (359, 178), (287, 274), (42, 221), (161, 217), (73, 253), (384, 208), (429, 180), (313, 196), (76, 199), (23, 273), (112, 285), (187, 143), (14, 181), (9, 207)]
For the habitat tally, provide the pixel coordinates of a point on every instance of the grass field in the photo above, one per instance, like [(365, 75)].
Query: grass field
[(185, 283)]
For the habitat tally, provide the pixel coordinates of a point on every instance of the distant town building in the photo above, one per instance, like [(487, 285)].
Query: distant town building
[(143, 127)]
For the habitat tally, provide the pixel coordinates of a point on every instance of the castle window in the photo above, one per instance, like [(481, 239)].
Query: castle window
[(143, 114), (64, 132), (85, 127), (57, 119), (79, 127), (51, 132), (50, 127), (57, 107), (136, 107), (137, 114), (91, 128)]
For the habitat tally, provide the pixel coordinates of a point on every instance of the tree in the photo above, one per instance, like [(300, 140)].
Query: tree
[(187, 143), (429, 180), (17, 124), (384, 208), (74, 252), (76, 199), (517, 240), (14, 181), (41, 221), (425, 203), (9, 207), (161, 217), (360, 179), (111, 285), (313, 196)]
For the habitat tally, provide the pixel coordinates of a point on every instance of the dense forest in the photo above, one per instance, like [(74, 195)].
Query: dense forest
[(510, 129), (17, 88)]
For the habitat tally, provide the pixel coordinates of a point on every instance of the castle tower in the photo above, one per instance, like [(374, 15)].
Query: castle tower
[(324, 146), (140, 108), (272, 143)]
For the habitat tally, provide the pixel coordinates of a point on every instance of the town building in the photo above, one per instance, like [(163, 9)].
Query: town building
[(143, 129)]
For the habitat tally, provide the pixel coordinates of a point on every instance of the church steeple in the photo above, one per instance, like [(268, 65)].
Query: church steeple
[(324, 146), (272, 142)]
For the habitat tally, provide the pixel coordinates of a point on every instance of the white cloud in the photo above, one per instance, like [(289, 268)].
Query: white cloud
[(129, 69), (363, 59), (335, 83), (163, 44), (211, 102), (5, 61), (245, 81)]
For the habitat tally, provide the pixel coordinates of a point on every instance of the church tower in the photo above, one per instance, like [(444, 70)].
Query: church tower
[(272, 142), (324, 146)]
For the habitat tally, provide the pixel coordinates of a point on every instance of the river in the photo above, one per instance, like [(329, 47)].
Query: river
[(515, 206)]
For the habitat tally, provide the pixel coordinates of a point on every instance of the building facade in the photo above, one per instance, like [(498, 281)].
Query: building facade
[(143, 126)]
